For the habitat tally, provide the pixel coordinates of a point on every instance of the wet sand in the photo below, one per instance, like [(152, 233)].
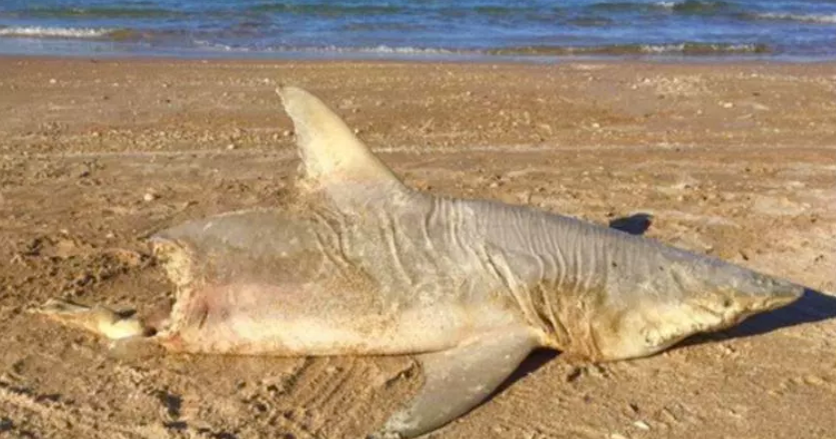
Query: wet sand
[(733, 160)]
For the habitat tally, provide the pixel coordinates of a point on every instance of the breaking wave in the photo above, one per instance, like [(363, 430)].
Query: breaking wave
[(691, 49), (685, 7), (96, 12), (697, 7), (804, 18), (326, 9), (55, 32)]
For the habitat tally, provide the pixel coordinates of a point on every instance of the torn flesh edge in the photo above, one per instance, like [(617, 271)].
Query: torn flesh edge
[(177, 261)]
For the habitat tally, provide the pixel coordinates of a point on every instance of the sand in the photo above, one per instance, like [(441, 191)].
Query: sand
[(736, 160)]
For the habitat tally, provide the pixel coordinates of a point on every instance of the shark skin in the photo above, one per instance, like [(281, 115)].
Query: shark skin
[(360, 264)]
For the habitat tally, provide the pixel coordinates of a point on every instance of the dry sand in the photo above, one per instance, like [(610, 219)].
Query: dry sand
[(733, 160)]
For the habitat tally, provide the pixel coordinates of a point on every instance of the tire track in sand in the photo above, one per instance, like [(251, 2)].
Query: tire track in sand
[(61, 416)]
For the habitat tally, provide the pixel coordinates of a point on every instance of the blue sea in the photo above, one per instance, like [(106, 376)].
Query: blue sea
[(802, 30)]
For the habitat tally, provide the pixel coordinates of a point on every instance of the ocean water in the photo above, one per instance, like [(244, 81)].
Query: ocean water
[(801, 30)]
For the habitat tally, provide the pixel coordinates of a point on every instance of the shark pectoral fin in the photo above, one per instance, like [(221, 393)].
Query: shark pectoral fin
[(458, 379), (330, 151)]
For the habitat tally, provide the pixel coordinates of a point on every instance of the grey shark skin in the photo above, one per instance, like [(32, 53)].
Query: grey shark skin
[(360, 264)]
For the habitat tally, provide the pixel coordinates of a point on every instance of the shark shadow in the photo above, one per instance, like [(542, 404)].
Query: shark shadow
[(813, 306), (636, 224)]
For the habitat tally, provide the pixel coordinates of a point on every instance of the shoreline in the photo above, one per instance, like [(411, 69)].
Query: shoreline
[(430, 57), (535, 61)]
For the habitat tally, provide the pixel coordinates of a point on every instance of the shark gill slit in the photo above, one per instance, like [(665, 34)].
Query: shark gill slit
[(501, 267), (577, 255), (427, 221), (491, 265), (580, 287), (530, 247), (517, 287), (340, 263), (455, 218), (549, 282), (556, 298), (390, 234)]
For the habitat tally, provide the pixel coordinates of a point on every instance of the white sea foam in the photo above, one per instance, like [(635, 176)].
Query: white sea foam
[(53, 32), (210, 45), (700, 48), (406, 50), (373, 49), (382, 49), (807, 18)]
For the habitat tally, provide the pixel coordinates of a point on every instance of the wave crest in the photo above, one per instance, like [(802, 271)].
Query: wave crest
[(690, 49), (806, 18), (54, 32)]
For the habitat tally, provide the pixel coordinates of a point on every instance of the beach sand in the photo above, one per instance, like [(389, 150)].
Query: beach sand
[(736, 160)]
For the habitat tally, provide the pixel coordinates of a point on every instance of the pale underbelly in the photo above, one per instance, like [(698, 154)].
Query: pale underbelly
[(252, 321)]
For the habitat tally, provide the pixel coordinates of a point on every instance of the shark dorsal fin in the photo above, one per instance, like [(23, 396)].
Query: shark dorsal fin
[(331, 154)]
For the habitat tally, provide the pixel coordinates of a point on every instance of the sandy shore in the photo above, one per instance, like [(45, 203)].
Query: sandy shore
[(733, 160)]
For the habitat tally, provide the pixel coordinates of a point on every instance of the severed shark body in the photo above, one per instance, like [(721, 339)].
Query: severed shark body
[(360, 264)]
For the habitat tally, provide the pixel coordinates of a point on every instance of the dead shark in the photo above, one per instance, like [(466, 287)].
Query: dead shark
[(360, 264)]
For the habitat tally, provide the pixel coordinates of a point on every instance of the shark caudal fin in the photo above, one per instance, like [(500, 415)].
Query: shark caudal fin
[(331, 153)]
